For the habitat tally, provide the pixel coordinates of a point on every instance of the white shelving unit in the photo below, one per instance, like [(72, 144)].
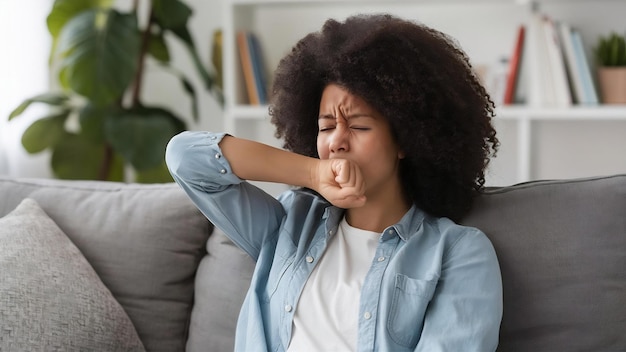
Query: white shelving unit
[(280, 23), (524, 116)]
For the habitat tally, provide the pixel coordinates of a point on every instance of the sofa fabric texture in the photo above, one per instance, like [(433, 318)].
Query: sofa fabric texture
[(215, 312), (50, 295), (561, 246), (144, 241)]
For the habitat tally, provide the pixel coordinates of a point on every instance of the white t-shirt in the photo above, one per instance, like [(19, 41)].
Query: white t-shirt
[(326, 317)]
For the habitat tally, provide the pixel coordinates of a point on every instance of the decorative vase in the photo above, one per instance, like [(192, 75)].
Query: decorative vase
[(612, 82)]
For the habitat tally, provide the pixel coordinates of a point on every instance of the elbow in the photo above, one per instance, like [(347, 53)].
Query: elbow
[(175, 150)]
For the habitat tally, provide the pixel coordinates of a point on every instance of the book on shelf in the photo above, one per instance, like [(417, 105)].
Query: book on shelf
[(560, 84), (569, 56), (512, 79), (539, 85), (560, 74), (253, 67), (589, 88)]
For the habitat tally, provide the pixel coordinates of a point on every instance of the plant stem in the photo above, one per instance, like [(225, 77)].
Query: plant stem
[(145, 41), (107, 161)]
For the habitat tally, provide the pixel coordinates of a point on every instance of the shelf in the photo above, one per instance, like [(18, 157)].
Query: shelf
[(396, 2), (600, 112), (587, 113), (485, 38), (361, 2)]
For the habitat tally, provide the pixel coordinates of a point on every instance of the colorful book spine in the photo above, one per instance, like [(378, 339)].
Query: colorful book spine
[(514, 67), (258, 67), (562, 96), (540, 90), (590, 93), (569, 57), (246, 65)]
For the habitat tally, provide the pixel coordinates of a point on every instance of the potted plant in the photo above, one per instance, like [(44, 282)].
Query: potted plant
[(611, 60), (97, 125)]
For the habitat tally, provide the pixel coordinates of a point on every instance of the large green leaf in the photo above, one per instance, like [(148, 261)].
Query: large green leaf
[(45, 132), (171, 13), (100, 49), (140, 135), (64, 10), (91, 120), (77, 158), (158, 48), (55, 99)]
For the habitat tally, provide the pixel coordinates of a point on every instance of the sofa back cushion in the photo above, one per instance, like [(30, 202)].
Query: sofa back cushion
[(143, 241), (562, 252), (222, 281)]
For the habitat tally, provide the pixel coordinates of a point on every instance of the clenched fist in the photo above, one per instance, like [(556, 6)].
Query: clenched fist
[(341, 182)]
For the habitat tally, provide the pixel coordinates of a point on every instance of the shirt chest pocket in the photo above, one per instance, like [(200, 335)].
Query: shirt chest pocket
[(409, 301)]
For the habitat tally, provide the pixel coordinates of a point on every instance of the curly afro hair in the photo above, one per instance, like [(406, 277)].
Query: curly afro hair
[(415, 76)]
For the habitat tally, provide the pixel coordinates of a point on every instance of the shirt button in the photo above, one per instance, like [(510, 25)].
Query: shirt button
[(309, 259), (330, 232), (288, 308), (222, 171), (390, 232), (381, 259), (213, 137), (218, 155), (367, 315)]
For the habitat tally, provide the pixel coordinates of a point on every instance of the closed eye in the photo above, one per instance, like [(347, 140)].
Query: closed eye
[(324, 129)]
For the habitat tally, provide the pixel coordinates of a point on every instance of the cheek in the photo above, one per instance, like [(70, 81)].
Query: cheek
[(322, 149)]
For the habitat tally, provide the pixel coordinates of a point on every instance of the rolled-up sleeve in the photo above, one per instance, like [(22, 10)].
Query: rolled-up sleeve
[(244, 212), (196, 158)]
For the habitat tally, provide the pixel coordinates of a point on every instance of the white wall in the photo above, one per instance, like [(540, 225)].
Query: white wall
[(597, 147), (24, 73)]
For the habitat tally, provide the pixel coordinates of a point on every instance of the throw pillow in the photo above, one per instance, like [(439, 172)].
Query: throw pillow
[(50, 296)]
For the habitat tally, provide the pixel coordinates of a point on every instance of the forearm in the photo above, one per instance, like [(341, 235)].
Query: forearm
[(255, 161)]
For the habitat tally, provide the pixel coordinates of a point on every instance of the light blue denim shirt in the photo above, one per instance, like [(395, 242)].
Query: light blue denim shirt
[(432, 286)]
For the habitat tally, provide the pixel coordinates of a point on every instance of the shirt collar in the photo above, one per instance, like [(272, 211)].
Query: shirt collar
[(405, 228), (409, 224)]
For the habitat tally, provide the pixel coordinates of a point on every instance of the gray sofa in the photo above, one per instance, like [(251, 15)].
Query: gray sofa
[(144, 269)]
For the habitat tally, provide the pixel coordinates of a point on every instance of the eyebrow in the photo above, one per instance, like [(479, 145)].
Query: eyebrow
[(353, 116)]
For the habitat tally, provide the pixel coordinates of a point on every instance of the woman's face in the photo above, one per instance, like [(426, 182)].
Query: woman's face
[(349, 128)]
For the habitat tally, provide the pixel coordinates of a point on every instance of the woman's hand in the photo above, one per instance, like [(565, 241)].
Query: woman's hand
[(341, 182)]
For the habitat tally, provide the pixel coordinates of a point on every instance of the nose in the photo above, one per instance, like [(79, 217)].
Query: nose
[(339, 139)]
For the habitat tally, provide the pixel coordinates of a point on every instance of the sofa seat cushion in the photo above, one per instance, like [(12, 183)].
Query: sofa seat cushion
[(144, 241), (51, 297), (562, 250)]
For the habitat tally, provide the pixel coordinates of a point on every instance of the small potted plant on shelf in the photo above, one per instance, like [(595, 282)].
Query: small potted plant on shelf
[(610, 54)]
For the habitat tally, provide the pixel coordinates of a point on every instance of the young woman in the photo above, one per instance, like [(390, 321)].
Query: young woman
[(387, 134)]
